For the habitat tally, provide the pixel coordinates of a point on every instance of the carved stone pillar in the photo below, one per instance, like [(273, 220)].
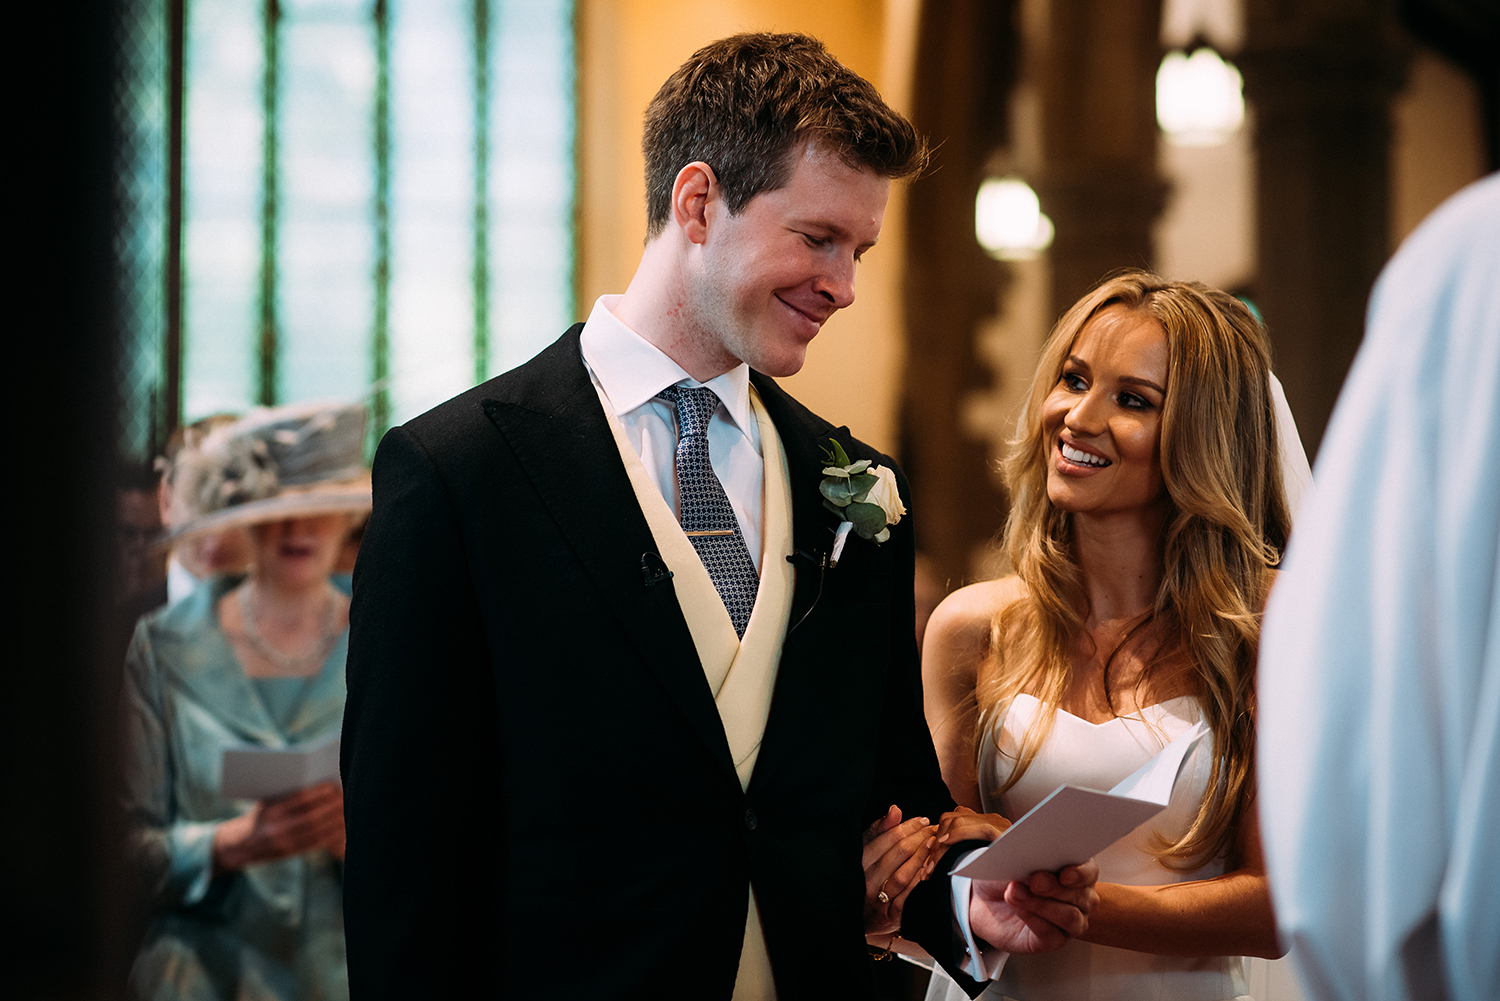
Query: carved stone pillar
[(1099, 181), (1093, 64), (965, 67), (1320, 76)]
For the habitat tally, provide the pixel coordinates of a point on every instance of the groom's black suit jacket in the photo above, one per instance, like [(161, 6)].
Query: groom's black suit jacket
[(538, 789)]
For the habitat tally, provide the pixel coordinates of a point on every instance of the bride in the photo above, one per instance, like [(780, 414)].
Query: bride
[(1148, 516)]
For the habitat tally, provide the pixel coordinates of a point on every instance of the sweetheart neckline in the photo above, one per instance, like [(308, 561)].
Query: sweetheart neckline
[(1138, 715)]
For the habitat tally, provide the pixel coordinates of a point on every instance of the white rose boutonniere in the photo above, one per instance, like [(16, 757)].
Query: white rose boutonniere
[(886, 495), (863, 496)]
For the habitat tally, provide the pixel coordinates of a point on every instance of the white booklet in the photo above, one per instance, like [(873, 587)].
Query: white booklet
[(262, 772), (1074, 824)]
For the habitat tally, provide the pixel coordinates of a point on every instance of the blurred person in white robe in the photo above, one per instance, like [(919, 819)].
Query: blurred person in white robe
[(1380, 653)]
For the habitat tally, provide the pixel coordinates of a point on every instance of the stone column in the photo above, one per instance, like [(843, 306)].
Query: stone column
[(1321, 76), (1099, 182), (1093, 64), (966, 61)]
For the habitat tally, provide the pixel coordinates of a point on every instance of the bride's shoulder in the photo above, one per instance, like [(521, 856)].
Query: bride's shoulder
[(963, 620)]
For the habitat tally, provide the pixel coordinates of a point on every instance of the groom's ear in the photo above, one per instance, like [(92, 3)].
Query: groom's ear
[(696, 186)]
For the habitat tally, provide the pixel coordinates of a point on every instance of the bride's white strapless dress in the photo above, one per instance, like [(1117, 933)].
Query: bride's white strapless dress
[(1098, 756)]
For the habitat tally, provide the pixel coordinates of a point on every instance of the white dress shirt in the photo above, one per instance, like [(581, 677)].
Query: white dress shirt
[(630, 371)]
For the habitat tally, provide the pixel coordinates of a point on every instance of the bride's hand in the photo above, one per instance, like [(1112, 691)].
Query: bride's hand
[(895, 860), (963, 824), (1038, 914)]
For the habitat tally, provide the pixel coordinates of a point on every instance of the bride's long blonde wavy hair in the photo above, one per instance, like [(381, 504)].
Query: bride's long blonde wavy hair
[(1225, 529)]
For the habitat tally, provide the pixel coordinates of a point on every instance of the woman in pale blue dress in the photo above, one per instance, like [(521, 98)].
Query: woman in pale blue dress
[(246, 895), (1148, 515)]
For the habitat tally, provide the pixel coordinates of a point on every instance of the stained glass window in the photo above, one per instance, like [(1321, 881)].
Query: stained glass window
[(223, 185), (377, 201), (325, 237), (140, 241), (530, 185), (433, 116)]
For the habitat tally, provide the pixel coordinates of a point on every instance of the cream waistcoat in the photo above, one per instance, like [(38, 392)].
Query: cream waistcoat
[(741, 674)]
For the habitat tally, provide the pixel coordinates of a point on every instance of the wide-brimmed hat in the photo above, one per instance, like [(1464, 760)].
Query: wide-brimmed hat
[(296, 461)]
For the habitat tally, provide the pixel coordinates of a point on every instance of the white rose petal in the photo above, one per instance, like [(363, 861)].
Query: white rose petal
[(885, 494)]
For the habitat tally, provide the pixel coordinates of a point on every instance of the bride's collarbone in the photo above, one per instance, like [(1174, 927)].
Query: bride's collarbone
[(1137, 679)]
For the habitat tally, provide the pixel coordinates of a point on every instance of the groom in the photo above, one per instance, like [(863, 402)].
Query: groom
[(616, 721)]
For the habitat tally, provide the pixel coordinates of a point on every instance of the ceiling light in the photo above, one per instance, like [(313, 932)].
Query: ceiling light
[(1199, 98), (1008, 220)]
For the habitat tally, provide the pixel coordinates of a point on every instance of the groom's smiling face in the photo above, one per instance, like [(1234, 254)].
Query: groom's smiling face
[(773, 274)]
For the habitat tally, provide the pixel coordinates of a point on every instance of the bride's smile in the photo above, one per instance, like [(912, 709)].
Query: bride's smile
[(1103, 418)]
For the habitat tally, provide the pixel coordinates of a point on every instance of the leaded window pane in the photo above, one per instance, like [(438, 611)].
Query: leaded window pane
[(432, 183), (222, 190), (326, 239), (377, 201), (531, 180)]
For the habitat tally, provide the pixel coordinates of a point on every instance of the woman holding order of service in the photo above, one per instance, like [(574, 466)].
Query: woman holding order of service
[(1149, 510), (246, 894)]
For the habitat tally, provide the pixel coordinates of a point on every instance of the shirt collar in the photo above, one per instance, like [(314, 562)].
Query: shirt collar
[(180, 582), (632, 370)]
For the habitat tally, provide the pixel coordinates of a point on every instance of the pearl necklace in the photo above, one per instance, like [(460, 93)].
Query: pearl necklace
[(289, 663)]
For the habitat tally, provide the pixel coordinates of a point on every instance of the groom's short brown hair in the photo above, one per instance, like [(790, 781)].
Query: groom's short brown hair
[(742, 104)]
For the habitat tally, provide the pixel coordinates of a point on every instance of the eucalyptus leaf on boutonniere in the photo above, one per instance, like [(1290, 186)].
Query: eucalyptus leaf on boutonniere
[(864, 497)]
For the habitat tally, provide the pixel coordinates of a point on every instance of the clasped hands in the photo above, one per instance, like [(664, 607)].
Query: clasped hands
[(1038, 915), (281, 827)]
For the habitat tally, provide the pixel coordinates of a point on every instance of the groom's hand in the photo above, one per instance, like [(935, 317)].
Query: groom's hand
[(1038, 915), (895, 860)]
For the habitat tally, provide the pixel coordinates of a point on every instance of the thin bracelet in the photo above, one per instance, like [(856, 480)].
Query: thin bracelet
[(881, 955)]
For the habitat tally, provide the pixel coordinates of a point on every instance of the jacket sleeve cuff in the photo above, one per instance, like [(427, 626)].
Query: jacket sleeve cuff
[(190, 853), (929, 920)]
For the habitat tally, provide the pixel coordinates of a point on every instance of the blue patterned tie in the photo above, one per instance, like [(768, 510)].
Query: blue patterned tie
[(706, 517)]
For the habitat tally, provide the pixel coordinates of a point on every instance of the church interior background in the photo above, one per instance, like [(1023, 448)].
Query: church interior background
[(267, 201)]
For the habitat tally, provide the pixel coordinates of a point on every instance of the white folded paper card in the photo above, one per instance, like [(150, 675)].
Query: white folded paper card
[(1073, 824), (262, 772)]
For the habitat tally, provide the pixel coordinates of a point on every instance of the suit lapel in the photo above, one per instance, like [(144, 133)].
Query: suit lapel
[(803, 436), (557, 429)]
